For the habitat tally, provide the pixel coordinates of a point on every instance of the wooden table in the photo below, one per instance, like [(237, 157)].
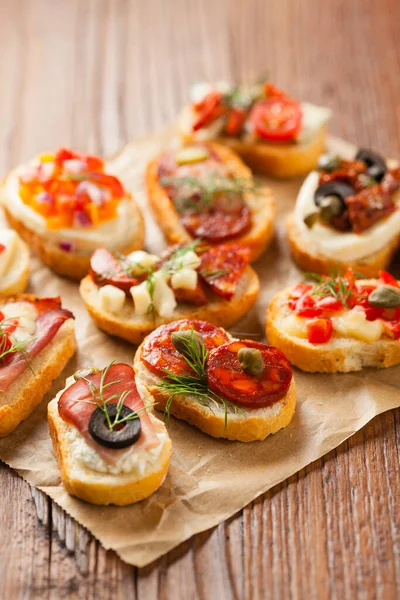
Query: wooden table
[(94, 74)]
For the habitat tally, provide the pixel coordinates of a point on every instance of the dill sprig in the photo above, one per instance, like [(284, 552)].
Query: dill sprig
[(15, 347), (333, 285), (101, 403), (193, 194), (214, 274), (196, 385)]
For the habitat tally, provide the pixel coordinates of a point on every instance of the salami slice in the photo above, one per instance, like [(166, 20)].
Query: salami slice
[(159, 354), (217, 226), (227, 379), (107, 270), (222, 268)]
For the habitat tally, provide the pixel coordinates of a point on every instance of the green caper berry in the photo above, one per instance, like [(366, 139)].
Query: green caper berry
[(385, 296), (366, 180), (251, 360), (183, 341), (311, 219), (330, 206), (328, 162)]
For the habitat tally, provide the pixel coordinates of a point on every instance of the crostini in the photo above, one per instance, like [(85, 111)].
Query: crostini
[(110, 447), (129, 296), (338, 324), (347, 215), (14, 263), (273, 133), (205, 191), (235, 389), (65, 205), (37, 340)]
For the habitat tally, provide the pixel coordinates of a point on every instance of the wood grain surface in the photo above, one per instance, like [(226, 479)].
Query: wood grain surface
[(96, 73)]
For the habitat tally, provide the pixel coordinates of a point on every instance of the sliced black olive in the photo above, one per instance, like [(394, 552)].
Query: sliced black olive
[(122, 436), (376, 165), (333, 188), (328, 162)]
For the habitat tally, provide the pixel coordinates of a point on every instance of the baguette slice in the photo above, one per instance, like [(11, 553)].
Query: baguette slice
[(28, 390), (309, 258), (246, 426), (133, 328), (261, 204), (71, 264), (279, 159), (15, 279), (105, 488), (339, 355)]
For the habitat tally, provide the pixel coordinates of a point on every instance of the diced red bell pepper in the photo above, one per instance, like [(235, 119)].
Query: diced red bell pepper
[(329, 303), (235, 122), (306, 307), (319, 331), (393, 328), (388, 279), (300, 290), (63, 154)]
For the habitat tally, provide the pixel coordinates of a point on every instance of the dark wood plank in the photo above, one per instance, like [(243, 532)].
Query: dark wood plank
[(96, 73)]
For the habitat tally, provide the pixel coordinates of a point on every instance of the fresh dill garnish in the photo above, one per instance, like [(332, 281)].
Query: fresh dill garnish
[(333, 285), (15, 346), (214, 274), (193, 194), (101, 403), (196, 385)]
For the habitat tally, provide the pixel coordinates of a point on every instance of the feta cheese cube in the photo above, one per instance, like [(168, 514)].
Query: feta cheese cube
[(184, 279), (141, 298), (111, 298)]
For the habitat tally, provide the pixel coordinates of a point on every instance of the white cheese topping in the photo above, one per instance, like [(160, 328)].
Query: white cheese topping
[(25, 315), (344, 246), (9, 239), (112, 299)]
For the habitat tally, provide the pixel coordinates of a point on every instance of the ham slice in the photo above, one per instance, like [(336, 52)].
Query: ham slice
[(75, 407), (47, 325)]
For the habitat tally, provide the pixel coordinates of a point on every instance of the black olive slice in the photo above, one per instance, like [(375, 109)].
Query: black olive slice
[(333, 188), (122, 436), (376, 165)]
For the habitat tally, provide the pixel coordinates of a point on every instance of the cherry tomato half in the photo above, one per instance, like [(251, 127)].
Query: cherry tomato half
[(277, 118)]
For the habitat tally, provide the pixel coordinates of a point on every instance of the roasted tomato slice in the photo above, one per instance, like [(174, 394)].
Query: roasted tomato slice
[(277, 119), (319, 331), (236, 120), (217, 226), (208, 110), (159, 354), (222, 268), (106, 269), (227, 379)]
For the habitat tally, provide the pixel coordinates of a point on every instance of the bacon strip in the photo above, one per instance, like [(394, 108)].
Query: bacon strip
[(47, 325), (75, 407)]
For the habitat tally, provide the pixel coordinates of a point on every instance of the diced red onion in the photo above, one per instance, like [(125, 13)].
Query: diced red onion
[(66, 246), (45, 198), (81, 219)]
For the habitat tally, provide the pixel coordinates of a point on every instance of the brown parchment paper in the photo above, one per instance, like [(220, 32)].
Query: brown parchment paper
[(209, 480)]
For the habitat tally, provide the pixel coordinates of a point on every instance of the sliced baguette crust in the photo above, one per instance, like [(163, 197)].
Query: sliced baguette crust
[(262, 207), (128, 326), (28, 391), (100, 488), (15, 280), (69, 264), (280, 160), (309, 258), (339, 355), (249, 426)]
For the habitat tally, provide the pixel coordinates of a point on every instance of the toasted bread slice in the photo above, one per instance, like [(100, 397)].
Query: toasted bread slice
[(105, 488), (28, 390), (339, 355), (309, 258), (280, 159), (261, 204), (71, 264), (15, 279), (129, 326), (247, 425)]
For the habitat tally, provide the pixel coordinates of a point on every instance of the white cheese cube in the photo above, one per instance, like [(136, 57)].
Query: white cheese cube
[(142, 260), (141, 298), (294, 326), (111, 298), (9, 239), (189, 259), (354, 324), (184, 279), (163, 298)]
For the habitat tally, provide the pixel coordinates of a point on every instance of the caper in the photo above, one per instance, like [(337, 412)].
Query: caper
[(385, 296), (83, 373), (251, 360), (328, 162), (188, 342), (330, 206), (366, 180), (311, 219)]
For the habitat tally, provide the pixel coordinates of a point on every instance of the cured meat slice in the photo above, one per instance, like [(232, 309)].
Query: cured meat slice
[(228, 379), (217, 226), (160, 355), (107, 270), (222, 268)]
